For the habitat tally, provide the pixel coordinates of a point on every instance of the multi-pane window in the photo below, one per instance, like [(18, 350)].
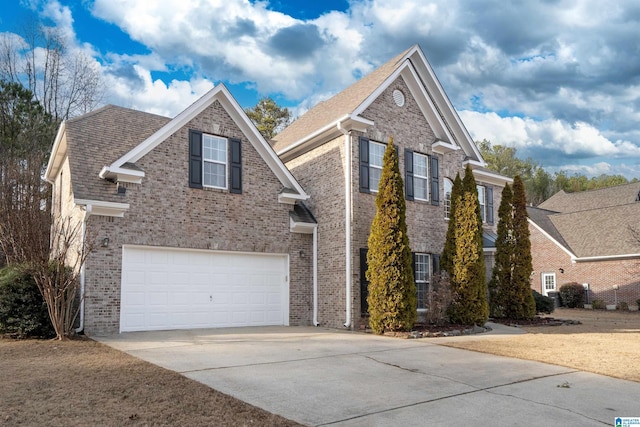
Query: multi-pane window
[(422, 275), (376, 154), (548, 283), (421, 176), (482, 201), (448, 188), (214, 161)]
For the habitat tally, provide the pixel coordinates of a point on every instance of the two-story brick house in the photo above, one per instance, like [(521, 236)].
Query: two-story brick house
[(335, 151)]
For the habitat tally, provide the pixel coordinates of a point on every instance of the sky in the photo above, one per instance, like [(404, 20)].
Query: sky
[(559, 80)]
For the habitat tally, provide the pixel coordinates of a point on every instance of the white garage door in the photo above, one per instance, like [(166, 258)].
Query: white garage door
[(166, 288)]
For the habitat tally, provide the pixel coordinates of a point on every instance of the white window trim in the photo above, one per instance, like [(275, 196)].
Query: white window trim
[(483, 205), (425, 178), (427, 282), (372, 166), (543, 277), (446, 214), (217, 162)]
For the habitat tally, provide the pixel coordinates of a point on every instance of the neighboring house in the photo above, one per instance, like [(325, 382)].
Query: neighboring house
[(197, 222), (587, 237), (335, 151)]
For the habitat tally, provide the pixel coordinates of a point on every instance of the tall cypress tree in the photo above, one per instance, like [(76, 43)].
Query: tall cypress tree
[(468, 281), (502, 269), (392, 291), (522, 305), (446, 261)]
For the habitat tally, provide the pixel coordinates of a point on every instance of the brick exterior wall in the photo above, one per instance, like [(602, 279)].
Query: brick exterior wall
[(600, 275), (165, 212), (321, 172)]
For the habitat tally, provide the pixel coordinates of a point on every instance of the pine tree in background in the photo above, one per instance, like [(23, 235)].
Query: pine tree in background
[(468, 281), (502, 270), (446, 260), (522, 305), (392, 291)]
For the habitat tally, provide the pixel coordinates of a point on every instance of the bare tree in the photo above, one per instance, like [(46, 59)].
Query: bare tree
[(58, 275), (65, 81)]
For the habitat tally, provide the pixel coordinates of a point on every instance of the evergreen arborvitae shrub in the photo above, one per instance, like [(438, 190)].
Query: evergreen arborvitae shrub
[(501, 275), (446, 260), (23, 312), (392, 290), (572, 295), (521, 305), (468, 283), (543, 304)]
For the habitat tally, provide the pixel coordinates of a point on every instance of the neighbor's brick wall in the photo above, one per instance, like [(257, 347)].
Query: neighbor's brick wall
[(166, 212), (601, 275), (321, 172)]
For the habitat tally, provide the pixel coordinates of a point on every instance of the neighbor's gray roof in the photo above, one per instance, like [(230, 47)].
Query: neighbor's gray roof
[(592, 223), (338, 106), (585, 200), (96, 139)]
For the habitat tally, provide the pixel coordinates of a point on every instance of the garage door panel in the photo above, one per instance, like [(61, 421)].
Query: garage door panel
[(174, 289)]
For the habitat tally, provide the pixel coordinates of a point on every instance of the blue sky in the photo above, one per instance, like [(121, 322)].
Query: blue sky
[(559, 80)]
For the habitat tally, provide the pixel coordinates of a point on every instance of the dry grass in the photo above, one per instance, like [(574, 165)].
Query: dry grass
[(607, 342), (82, 382)]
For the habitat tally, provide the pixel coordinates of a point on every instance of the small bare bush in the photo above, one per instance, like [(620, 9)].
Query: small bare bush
[(439, 297)]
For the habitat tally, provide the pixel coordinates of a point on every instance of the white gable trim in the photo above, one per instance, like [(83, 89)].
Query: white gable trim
[(490, 177), (102, 208), (58, 154), (221, 94), (548, 236)]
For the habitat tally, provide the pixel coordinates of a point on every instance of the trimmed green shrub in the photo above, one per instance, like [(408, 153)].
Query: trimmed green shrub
[(572, 295), (598, 304), (23, 312), (622, 306), (543, 304)]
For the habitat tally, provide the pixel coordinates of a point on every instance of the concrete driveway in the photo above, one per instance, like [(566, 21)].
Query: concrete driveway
[(320, 376)]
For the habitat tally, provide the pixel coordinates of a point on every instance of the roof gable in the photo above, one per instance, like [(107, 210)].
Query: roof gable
[(121, 168), (346, 107)]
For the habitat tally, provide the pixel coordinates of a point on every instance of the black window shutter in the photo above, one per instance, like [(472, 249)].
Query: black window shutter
[(435, 181), (413, 265), (408, 174), (489, 195), (435, 259), (364, 283), (235, 166), (364, 165), (195, 159)]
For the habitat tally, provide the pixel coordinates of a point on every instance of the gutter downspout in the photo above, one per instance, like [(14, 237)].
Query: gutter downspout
[(80, 327), (347, 222), (315, 276)]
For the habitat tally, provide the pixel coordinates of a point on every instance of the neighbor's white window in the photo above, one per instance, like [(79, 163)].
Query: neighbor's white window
[(420, 176), (214, 161), (376, 154), (548, 283), (422, 273)]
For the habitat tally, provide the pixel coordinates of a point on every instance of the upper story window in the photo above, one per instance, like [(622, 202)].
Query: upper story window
[(448, 188), (485, 200), (215, 162), (421, 177), (376, 155)]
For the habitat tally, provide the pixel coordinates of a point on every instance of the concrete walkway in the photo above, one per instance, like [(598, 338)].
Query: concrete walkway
[(320, 377)]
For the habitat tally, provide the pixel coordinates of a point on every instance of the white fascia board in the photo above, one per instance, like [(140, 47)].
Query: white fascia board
[(301, 227), (58, 153), (606, 257), (491, 177), (443, 147), (431, 81), (318, 134), (102, 208), (545, 234)]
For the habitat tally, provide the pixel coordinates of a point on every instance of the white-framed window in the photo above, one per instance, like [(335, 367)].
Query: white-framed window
[(376, 154), (448, 188), (482, 201), (214, 157), (420, 176), (548, 283), (422, 273)]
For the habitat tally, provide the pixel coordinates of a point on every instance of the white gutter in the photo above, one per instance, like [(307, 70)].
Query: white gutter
[(315, 277), (82, 273), (347, 222), (605, 257)]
